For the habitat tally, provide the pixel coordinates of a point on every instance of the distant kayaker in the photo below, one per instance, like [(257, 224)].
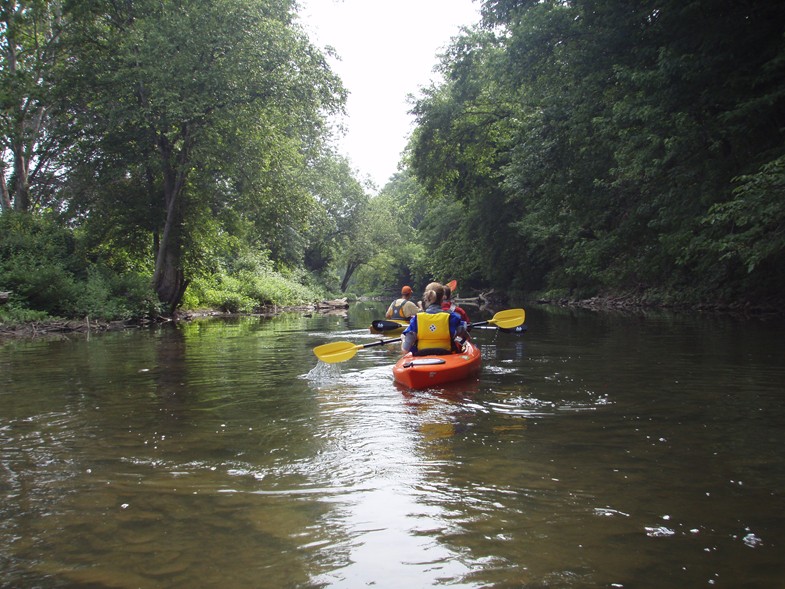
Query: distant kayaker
[(449, 305), (402, 308), (433, 331)]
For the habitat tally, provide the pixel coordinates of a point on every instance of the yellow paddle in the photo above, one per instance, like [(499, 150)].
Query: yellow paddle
[(506, 319), (342, 351)]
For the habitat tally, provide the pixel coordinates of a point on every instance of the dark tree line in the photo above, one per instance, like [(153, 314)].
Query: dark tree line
[(594, 147)]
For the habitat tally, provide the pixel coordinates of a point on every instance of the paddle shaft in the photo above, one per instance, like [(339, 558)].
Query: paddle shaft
[(510, 318), (381, 342), (342, 351)]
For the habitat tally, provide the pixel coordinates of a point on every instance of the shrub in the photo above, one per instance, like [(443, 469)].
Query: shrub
[(246, 290), (105, 295), (39, 266), (14, 313)]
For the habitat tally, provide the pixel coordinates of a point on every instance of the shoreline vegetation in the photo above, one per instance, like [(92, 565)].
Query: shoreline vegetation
[(551, 163), (61, 328)]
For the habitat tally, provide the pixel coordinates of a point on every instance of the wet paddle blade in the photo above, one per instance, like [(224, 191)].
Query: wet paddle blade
[(336, 352), (342, 351)]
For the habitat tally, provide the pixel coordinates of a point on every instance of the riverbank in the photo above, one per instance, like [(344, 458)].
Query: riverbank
[(61, 328), (631, 303)]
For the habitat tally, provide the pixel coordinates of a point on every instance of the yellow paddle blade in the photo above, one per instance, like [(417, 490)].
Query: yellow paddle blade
[(341, 351), (508, 318), (336, 351)]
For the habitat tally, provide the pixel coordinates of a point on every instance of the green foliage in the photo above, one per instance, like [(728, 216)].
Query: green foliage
[(752, 223), (571, 147), (247, 284), (40, 264), (201, 118), (106, 295), (15, 313), (392, 246), (37, 262), (591, 147)]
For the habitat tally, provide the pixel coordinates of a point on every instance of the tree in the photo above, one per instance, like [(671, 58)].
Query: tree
[(459, 153), (164, 91), (335, 221), (29, 52), (599, 141)]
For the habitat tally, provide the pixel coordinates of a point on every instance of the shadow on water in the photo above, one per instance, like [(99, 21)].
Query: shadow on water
[(596, 450)]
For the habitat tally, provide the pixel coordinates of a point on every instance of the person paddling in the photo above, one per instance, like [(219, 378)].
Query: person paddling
[(433, 331), (450, 306), (402, 308)]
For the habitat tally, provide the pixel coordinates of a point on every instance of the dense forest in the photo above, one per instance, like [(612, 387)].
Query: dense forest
[(596, 147), (180, 153)]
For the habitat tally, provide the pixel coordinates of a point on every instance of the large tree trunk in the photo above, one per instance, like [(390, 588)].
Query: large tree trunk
[(351, 266), (5, 197), (169, 278), (21, 188)]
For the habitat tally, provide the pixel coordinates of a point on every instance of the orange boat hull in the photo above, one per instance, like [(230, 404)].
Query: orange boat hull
[(422, 372)]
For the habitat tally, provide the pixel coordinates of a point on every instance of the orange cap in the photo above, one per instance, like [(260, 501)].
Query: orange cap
[(406, 290)]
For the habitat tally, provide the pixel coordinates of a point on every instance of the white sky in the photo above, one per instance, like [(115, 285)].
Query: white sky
[(387, 50)]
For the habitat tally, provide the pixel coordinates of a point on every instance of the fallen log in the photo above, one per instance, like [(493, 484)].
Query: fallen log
[(333, 304)]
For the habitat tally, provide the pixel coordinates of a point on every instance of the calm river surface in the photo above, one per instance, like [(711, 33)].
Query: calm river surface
[(596, 450)]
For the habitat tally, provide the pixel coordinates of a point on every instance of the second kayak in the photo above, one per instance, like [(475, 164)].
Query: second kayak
[(389, 326)]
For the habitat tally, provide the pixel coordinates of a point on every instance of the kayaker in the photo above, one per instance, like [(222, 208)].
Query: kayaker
[(435, 330), (449, 305), (402, 308)]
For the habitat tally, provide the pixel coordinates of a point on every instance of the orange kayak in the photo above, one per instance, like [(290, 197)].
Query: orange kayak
[(420, 372)]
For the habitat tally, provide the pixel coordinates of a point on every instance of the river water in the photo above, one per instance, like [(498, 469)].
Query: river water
[(596, 450)]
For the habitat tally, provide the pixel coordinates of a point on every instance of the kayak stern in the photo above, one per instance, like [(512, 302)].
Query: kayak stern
[(420, 372)]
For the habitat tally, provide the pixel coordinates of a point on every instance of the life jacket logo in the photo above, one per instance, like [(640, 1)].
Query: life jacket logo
[(432, 327)]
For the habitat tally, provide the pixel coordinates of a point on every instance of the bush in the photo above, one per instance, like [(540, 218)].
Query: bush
[(39, 266), (44, 285), (248, 288), (219, 292), (13, 313), (105, 295)]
